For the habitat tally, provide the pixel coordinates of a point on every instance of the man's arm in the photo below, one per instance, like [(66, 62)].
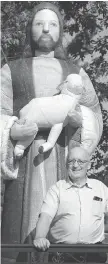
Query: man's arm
[(42, 229), (48, 212), (106, 208), (106, 223), (106, 199)]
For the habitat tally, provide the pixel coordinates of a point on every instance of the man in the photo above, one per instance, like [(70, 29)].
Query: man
[(73, 210), (22, 80)]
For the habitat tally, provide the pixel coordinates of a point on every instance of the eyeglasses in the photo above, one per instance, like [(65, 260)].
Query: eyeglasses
[(80, 162)]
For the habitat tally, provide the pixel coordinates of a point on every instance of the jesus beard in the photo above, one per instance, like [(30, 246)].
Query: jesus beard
[(45, 43)]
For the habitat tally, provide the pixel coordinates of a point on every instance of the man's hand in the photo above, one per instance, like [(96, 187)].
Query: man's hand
[(41, 244), (23, 129)]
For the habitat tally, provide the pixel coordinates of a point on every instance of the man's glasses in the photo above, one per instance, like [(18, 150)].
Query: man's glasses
[(80, 162)]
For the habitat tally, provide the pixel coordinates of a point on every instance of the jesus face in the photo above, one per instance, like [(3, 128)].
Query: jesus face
[(45, 30)]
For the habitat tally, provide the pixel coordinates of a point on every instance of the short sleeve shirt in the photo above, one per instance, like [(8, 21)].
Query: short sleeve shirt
[(77, 213)]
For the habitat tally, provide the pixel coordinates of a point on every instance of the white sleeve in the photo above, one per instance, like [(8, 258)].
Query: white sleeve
[(89, 97), (51, 202), (106, 198), (8, 168), (6, 91)]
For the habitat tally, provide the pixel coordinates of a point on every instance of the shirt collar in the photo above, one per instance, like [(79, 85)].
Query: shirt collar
[(70, 184)]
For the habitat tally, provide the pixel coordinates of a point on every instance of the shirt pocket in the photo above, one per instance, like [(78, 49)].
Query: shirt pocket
[(97, 208)]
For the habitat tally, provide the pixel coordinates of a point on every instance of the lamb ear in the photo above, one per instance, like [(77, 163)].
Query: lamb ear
[(60, 87)]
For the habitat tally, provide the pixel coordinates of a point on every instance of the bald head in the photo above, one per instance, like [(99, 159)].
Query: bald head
[(78, 160), (79, 153)]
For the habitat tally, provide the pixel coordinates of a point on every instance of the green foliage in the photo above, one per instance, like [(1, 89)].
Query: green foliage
[(86, 40), (99, 162)]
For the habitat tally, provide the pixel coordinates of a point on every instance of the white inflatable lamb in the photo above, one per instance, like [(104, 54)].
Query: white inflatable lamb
[(52, 112)]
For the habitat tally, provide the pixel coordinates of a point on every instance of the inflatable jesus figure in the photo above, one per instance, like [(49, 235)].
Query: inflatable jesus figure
[(37, 75), (52, 112)]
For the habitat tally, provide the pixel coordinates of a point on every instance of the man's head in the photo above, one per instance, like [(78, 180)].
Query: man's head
[(45, 29), (78, 160)]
